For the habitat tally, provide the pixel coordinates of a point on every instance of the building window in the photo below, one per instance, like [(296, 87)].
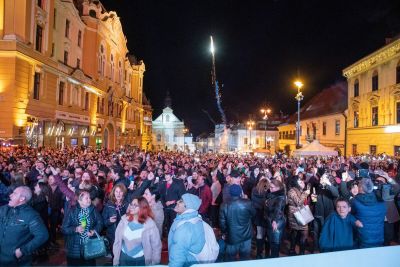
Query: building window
[(398, 112), (356, 119), (158, 137), (61, 93), (102, 106), (245, 141), (356, 88), (40, 3), (75, 96), (374, 116), (398, 73), (66, 57), (52, 49), (167, 118), (54, 18), (354, 149), (78, 63), (324, 128), (39, 38), (86, 101), (375, 81), (337, 127), (372, 149), (257, 141), (112, 68), (67, 24), (36, 86), (79, 38)]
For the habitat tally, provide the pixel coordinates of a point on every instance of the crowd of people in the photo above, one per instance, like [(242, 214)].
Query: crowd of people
[(139, 199)]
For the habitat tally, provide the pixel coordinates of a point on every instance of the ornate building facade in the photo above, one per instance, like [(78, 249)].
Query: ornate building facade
[(374, 102), (67, 77)]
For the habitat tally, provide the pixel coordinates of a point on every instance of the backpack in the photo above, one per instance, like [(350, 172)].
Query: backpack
[(210, 251)]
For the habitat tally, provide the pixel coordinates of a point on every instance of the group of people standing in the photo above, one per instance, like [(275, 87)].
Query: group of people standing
[(137, 200)]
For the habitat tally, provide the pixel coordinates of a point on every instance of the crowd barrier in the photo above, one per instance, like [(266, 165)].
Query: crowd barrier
[(370, 257)]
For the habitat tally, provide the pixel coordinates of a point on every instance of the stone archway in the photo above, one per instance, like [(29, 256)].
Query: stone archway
[(109, 137)]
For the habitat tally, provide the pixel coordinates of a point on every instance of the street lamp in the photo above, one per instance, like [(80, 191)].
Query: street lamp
[(185, 131), (298, 97), (250, 125), (265, 112)]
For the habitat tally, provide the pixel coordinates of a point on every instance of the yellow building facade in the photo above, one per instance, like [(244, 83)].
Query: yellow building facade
[(374, 102), (66, 76)]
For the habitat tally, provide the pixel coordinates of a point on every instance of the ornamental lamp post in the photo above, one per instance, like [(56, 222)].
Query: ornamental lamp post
[(265, 112), (298, 97), (250, 125)]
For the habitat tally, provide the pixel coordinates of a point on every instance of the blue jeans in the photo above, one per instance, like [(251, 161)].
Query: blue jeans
[(243, 248)]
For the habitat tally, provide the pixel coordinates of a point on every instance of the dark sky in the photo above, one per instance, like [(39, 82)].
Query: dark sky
[(261, 46)]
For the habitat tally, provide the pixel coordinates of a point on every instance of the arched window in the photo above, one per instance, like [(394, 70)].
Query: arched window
[(120, 71), (375, 83), (158, 137), (356, 88), (398, 73), (102, 61), (112, 67)]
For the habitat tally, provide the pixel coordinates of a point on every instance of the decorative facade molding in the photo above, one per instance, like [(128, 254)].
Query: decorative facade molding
[(379, 57)]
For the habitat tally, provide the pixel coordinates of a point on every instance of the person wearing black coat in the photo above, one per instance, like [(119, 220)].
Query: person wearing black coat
[(274, 215), (171, 190), (235, 219), (23, 231), (258, 195), (113, 210), (79, 224)]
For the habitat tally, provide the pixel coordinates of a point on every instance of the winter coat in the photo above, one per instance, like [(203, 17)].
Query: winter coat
[(184, 238), (151, 241), (21, 227), (274, 211), (258, 202), (325, 204), (109, 210), (204, 193), (235, 219), (371, 213), (174, 192), (158, 211), (71, 221), (296, 199), (337, 233)]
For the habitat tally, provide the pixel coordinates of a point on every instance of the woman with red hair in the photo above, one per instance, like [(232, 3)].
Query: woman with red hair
[(137, 240)]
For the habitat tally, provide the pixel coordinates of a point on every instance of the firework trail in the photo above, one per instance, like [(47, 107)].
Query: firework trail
[(215, 83)]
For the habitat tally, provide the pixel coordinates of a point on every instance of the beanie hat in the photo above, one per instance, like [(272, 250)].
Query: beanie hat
[(191, 201), (235, 190)]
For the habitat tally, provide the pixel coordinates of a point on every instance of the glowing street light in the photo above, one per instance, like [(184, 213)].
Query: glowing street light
[(265, 112), (298, 97)]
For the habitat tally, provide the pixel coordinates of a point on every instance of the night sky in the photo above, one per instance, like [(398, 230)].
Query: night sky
[(261, 47)]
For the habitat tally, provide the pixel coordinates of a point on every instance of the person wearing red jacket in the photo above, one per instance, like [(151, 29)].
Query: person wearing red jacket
[(203, 191)]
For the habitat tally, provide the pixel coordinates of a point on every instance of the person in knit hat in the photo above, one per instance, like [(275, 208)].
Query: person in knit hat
[(236, 224), (185, 237)]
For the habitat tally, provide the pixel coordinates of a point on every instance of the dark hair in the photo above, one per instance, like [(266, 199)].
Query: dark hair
[(342, 199), (112, 194)]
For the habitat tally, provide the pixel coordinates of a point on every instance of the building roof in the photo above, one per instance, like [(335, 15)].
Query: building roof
[(329, 101)]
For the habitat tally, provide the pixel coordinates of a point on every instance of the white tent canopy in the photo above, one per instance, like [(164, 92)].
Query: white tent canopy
[(315, 149)]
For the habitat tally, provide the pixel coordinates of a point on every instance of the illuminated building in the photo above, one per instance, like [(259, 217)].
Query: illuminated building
[(374, 102), (66, 76), (323, 118)]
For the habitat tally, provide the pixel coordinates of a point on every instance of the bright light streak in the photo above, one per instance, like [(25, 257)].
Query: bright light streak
[(212, 45)]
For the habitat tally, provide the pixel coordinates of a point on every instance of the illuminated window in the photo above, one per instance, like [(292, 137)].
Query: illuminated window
[(337, 127), (374, 116), (356, 119)]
